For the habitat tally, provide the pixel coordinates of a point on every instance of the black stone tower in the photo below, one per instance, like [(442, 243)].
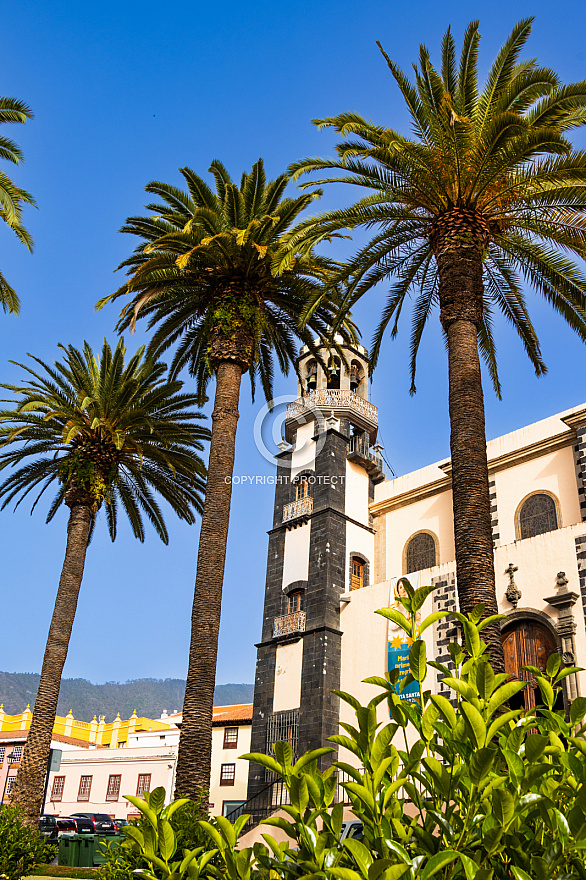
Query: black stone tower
[(320, 547)]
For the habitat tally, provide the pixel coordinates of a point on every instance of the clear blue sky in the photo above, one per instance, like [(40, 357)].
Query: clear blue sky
[(127, 92)]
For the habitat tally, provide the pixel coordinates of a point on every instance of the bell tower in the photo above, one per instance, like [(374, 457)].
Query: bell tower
[(321, 547)]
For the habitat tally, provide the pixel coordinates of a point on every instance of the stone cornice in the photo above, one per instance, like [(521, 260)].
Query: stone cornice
[(498, 463)]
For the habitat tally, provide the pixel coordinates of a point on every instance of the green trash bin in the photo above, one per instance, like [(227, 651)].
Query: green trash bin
[(69, 850), (86, 851)]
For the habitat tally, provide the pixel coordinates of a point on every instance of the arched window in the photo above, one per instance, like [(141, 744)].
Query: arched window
[(311, 375), (355, 376), (295, 601), (357, 573), (302, 487), (420, 553), (537, 515)]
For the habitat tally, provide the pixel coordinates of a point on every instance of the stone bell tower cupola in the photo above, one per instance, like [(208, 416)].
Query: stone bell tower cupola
[(321, 548)]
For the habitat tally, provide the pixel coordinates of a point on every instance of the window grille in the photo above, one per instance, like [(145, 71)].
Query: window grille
[(10, 783), (113, 790), (85, 786), (227, 774), (2, 753), (16, 754), (144, 783), (57, 790), (230, 737), (538, 515), (283, 727), (420, 553)]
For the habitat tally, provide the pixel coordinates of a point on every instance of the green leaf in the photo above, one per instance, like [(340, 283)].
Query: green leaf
[(476, 723), (485, 679), (418, 660), (446, 709), (264, 760), (396, 617), (546, 691), (420, 596), (360, 853), (283, 753), (534, 746), (157, 799), (553, 665), (503, 806), (500, 722), (437, 862), (503, 694), (481, 763), (577, 710), (167, 842), (308, 757), (431, 619)]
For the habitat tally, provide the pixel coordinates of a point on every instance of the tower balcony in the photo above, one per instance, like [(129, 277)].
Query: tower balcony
[(289, 624), (300, 509), (344, 404), (371, 460)]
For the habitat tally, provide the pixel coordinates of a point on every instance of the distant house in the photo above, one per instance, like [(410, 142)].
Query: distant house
[(132, 757)]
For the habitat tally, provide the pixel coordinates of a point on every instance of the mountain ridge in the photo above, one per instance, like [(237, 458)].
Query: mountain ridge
[(149, 697)]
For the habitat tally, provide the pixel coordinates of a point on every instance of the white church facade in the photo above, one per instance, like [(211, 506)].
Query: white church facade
[(343, 535)]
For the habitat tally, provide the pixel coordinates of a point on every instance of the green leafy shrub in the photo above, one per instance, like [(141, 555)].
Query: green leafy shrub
[(21, 848), (461, 789)]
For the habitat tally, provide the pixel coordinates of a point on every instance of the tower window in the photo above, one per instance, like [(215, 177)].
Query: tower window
[(537, 515), (420, 553), (295, 601), (311, 375), (334, 374), (302, 487), (357, 573), (355, 376)]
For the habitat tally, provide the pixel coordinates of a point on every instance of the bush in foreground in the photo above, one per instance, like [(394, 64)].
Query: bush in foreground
[(21, 848), (467, 789)]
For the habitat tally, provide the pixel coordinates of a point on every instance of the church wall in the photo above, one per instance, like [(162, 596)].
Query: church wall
[(433, 514), (356, 492), (552, 472), (361, 542), (296, 556), (303, 457), (287, 692)]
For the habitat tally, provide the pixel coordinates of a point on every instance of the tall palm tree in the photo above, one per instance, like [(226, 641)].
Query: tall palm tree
[(204, 275), (12, 197), (105, 433), (488, 193)]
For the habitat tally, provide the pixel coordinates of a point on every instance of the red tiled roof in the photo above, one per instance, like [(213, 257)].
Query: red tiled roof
[(240, 714), (20, 736)]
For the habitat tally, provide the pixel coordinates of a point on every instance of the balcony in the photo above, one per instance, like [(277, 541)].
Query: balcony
[(289, 624), (300, 509), (344, 404), (359, 451)]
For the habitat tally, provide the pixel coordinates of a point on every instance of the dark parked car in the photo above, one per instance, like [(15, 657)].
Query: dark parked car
[(66, 826), (100, 823), (48, 827), (120, 823)]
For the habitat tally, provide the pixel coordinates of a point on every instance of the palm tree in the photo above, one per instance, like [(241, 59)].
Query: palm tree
[(204, 276), (105, 434), (487, 194), (12, 197)]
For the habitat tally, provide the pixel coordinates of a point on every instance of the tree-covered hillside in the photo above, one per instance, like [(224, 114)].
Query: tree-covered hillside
[(149, 696)]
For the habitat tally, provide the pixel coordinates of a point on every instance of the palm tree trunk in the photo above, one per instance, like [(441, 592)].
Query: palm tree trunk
[(195, 741), (29, 786), (461, 294)]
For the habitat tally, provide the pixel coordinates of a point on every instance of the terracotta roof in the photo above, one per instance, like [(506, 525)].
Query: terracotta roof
[(240, 714), (20, 736)]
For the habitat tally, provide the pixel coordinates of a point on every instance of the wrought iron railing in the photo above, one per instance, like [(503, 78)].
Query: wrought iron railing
[(360, 445), (331, 398), (289, 623), (297, 509)]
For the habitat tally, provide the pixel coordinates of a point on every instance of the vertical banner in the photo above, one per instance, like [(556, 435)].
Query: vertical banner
[(399, 642)]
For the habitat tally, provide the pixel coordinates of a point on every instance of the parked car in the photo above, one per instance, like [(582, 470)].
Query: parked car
[(66, 826), (47, 826), (120, 823), (101, 823), (352, 829), (83, 825)]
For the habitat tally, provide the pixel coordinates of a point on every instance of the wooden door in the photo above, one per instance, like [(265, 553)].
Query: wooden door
[(527, 643)]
